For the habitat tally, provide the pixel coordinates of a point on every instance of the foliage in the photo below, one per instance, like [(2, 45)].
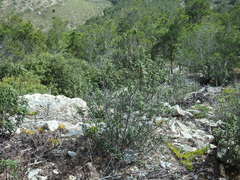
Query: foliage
[(134, 40), (11, 106), (9, 69), (55, 41), (10, 167), (123, 43), (176, 87), (203, 111), (203, 49), (187, 158), (225, 5), (25, 84), (196, 9), (123, 120), (62, 75), (227, 135), (166, 46), (18, 38)]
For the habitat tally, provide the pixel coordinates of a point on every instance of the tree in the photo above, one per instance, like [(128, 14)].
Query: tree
[(223, 6), (19, 38), (210, 50), (55, 40), (196, 9), (167, 44)]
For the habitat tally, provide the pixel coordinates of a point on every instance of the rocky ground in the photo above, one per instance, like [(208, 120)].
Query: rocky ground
[(51, 144), (29, 5)]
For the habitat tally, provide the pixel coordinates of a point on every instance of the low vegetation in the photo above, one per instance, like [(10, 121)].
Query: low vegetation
[(188, 158), (11, 106), (9, 168), (227, 136)]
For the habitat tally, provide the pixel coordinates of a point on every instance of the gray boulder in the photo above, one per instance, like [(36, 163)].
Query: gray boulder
[(52, 111), (60, 108)]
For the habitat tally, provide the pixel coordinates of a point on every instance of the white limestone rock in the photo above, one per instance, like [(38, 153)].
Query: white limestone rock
[(55, 108)]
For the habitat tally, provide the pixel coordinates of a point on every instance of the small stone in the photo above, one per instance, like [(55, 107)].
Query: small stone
[(221, 153), (72, 154), (32, 175), (18, 131), (55, 171), (198, 102), (165, 164), (160, 120), (71, 177), (187, 148), (212, 146)]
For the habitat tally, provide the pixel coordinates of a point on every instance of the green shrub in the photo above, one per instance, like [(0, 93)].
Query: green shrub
[(62, 74), (10, 167), (197, 9), (123, 120), (12, 110), (176, 88), (227, 136), (8, 69), (20, 38), (207, 49), (27, 83)]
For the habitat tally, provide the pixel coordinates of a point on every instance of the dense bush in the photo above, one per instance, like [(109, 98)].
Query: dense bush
[(124, 120), (12, 110), (203, 49), (9, 167), (19, 38), (197, 9), (62, 74), (73, 77), (27, 83), (8, 69), (177, 86), (227, 136)]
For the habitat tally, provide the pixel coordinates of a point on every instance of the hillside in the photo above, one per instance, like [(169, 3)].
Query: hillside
[(150, 89), (41, 12)]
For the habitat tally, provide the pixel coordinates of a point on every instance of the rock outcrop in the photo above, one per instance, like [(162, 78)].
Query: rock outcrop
[(52, 111)]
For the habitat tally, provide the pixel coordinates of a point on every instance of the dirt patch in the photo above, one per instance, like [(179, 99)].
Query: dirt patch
[(49, 153)]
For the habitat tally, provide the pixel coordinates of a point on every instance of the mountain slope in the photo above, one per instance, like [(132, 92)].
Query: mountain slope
[(41, 12)]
